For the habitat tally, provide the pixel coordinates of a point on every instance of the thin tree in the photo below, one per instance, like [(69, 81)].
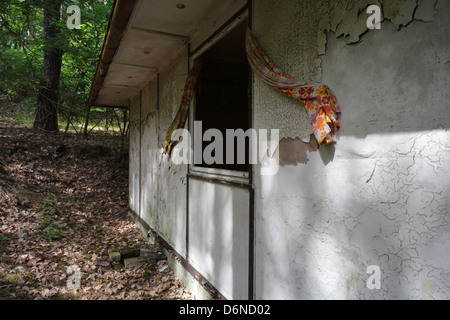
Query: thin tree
[(46, 117)]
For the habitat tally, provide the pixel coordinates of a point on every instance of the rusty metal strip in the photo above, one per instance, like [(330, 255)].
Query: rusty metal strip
[(215, 294)]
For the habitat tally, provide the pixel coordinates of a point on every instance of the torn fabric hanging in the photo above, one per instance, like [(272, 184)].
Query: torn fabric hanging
[(180, 118), (319, 100)]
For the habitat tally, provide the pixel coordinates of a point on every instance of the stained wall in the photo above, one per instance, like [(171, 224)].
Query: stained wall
[(379, 197)]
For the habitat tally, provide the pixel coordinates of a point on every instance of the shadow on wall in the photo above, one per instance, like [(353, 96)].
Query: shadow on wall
[(218, 236), (392, 81), (383, 199)]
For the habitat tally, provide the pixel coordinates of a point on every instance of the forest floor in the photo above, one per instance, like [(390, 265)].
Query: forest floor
[(63, 205)]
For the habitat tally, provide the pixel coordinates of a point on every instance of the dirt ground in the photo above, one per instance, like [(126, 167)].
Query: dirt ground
[(63, 205)]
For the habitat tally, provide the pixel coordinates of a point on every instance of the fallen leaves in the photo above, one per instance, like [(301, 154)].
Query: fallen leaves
[(64, 207)]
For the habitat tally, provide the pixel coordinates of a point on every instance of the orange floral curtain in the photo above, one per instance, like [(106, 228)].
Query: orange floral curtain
[(320, 102)]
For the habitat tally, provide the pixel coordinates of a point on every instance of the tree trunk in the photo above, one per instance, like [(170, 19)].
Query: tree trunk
[(86, 124), (46, 117)]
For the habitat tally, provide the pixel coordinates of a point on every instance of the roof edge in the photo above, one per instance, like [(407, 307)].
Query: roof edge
[(118, 21)]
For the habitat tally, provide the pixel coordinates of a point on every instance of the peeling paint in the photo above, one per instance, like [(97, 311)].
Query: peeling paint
[(294, 151), (426, 10), (399, 12), (309, 38), (383, 199), (348, 18)]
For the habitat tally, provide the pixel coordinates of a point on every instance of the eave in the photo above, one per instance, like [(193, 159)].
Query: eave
[(142, 38)]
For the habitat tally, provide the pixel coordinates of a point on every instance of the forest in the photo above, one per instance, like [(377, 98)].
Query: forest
[(48, 54), (64, 164)]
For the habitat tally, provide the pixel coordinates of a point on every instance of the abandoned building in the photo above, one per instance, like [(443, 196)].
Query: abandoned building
[(357, 207)]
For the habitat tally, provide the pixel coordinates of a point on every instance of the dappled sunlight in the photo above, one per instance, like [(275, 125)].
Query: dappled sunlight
[(373, 204), (44, 230), (218, 239)]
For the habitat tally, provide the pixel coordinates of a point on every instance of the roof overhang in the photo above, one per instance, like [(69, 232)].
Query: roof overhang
[(141, 39)]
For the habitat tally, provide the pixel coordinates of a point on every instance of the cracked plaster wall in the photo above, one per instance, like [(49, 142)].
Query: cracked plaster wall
[(171, 183), (134, 154), (218, 224), (161, 198), (380, 196), (304, 27)]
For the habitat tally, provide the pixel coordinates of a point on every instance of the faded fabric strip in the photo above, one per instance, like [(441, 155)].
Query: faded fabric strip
[(320, 102), (181, 117)]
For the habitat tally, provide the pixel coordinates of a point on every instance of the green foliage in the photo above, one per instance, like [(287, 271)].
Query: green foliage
[(3, 239), (9, 278), (49, 227), (81, 50), (22, 43), (48, 204)]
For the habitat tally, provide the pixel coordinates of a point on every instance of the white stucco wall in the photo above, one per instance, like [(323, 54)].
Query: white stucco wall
[(149, 154), (380, 196), (134, 172), (218, 236), (218, 215), (171, 184), (157, 186)]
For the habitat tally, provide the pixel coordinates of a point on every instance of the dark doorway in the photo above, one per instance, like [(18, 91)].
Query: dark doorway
[(222, 93)]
